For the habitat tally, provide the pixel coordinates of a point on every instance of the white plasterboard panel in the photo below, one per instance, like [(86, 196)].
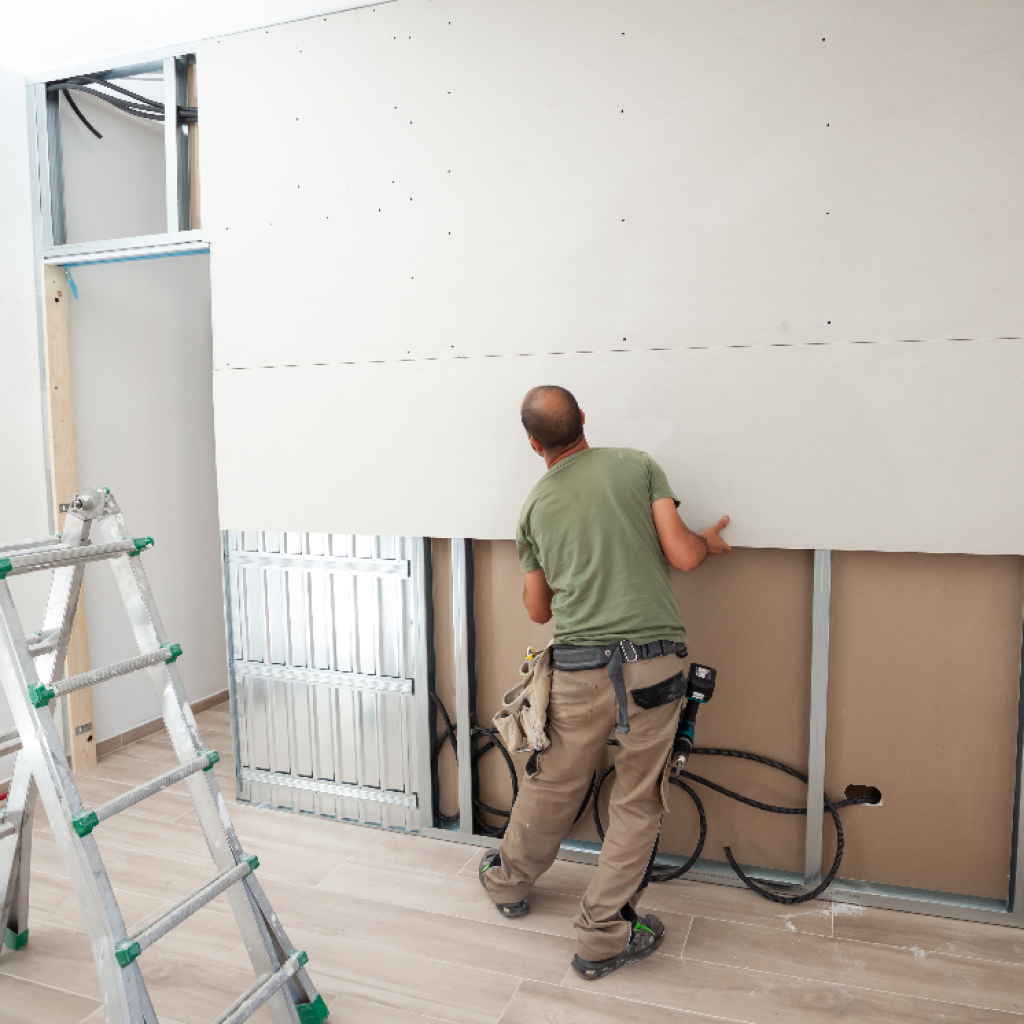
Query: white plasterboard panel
[(481, 178), (141, 353), (728, 174), (901, 447), (65, 37), (926, 212)]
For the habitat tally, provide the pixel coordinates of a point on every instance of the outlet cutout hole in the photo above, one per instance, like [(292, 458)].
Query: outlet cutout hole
[(870, 794)]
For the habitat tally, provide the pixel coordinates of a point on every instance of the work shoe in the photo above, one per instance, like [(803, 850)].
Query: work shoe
[(492, 859), (646, 936)]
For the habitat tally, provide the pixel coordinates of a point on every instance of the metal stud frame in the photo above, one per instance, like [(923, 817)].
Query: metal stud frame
[(329, 674)]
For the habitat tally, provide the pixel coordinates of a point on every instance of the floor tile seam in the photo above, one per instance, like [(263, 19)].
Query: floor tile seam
[(509, 1003), (838, 939), (55, 988), (850, 985), (744, 924), (710, 917), (645, 1002), (419, 871), (518, 978), (179, 858), (1019, 964), (384, 1006), (459, 917), (441, 913)]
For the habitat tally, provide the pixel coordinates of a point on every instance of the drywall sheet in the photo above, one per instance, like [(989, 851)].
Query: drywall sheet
[(890, 447), (457, 181), (923, 698), (481, 179), (140, 360)]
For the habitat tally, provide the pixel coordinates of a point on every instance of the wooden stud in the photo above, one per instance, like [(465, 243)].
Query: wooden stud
[(64, 484), (196, 220)]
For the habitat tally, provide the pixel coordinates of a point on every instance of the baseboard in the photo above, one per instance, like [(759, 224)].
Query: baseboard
[(108, 746)]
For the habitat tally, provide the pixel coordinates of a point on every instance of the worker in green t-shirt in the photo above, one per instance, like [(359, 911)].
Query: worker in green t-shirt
[(596, 538)]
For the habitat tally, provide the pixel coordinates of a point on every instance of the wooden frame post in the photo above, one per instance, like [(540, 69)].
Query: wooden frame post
[(64, 483)]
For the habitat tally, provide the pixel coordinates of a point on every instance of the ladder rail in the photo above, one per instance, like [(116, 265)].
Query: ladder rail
[(209, 804), (65, 555), (136, 943), (30, 545), (84, 823), (26, 664), (261, 990), (65, 588), (125, 996)]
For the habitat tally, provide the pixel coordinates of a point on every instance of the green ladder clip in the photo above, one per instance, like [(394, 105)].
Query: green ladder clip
[(14, 941), (126, 951), (175, 649), (312, 1013), (141, 543), (40, 695), (6, 566), (212, 757), (85, 823)]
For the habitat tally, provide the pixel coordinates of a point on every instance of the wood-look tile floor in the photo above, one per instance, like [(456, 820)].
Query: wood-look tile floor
[(399, 932)]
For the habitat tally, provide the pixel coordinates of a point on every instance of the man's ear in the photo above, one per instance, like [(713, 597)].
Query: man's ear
[(583, 416), (537, 446)]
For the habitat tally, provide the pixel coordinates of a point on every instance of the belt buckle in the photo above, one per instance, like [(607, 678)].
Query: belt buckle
[(636, 657)]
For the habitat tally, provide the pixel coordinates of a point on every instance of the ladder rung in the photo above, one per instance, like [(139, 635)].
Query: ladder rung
[(7, 830), (43, 643), (10, 742), (263, 988), (29, 545), (84, 823), (41, 695), (130, 948), (16, 565)]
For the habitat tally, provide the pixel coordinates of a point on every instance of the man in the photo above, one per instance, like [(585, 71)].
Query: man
[(596, 537)]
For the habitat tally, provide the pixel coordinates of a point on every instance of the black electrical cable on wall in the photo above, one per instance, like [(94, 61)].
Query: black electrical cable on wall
[(136, 105), (661, 872)]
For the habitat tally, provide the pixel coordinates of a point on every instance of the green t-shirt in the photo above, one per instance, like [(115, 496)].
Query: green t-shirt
[(588, 524)]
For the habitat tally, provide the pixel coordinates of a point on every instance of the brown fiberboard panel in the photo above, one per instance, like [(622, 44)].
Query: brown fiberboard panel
[(923, 700), (749, 616)]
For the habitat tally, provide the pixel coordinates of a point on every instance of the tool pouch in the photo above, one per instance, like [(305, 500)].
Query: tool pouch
[(522, 720)]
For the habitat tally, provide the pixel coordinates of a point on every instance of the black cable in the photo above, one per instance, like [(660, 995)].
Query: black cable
[(138, 106), (663, 872), (81, 116)]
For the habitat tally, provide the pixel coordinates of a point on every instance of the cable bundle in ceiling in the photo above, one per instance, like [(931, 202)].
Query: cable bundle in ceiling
[(123, 99)]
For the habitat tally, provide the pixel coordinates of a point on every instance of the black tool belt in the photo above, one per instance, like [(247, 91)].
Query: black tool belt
[(614, 654)]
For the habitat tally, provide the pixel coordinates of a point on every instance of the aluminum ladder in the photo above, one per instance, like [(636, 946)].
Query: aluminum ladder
[(31, 671)]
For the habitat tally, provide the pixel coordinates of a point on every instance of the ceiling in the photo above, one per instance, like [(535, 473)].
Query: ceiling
[(38, 38)]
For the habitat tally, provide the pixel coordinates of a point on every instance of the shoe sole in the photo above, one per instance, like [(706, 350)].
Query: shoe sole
[(592, 971), (520, 909)]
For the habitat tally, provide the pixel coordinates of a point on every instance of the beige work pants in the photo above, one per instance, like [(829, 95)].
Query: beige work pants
[(581, 715)]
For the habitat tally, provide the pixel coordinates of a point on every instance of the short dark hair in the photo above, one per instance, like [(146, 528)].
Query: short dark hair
[(552, 417)]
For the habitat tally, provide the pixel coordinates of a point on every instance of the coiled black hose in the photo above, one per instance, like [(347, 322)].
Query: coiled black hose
[(660, 872)]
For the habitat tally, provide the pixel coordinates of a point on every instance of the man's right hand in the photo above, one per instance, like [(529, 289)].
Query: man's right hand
[(713, 538)]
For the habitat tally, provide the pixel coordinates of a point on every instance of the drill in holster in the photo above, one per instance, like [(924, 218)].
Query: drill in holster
[(700, 688)]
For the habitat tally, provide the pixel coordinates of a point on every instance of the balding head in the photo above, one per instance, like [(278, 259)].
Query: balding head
[(552, 418)]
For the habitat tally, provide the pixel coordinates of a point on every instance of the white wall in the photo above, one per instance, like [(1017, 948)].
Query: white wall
[(23, 512), (114, 186), (141, 353), (141, 358), (455, 181)]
